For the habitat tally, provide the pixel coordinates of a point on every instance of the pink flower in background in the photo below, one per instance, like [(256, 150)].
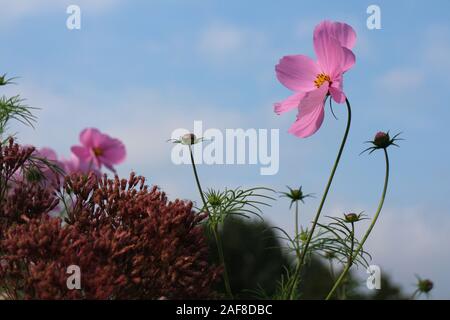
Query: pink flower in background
[(314, 81), (46, 153), (49, 173), (75, 165), (99, 149)]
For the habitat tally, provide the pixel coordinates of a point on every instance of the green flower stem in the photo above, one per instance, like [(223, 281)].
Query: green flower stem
[(322, 202), (414, 295), (297, 241), (350, 258), (374, 220), (216, 232), (333, 273), (198, 181), (222, 259), (297, 235)]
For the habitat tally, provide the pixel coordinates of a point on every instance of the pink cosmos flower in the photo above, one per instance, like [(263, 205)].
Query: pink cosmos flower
[(75, 165), (313, 81), (99, 149), (46, 153), (49, 174)]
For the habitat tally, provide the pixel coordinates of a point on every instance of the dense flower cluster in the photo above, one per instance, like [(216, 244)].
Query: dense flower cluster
[(128, 240), (22, 195)]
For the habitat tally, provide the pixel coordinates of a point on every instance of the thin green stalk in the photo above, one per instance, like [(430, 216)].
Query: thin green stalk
[(413, 296), (324, 197), (350, 258), (333, 273), (297, 242), (297, 235), (215, 230), (198, 181), (222, 259), (375, 218)]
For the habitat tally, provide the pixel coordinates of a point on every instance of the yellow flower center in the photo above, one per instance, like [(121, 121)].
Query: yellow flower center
[(97, 151), (321, 79)]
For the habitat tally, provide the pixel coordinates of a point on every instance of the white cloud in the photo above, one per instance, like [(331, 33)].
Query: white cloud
[(306, 27), (430, 63), (411, 241), (406, 241), (437, 48), (223, 41), (401, 79), (143, 119)]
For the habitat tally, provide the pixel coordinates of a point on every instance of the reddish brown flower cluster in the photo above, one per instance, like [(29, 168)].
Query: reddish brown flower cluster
[(128, 240), (21, 198)]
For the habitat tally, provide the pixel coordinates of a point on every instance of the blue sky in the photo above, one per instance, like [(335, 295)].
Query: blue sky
[(140, 69)]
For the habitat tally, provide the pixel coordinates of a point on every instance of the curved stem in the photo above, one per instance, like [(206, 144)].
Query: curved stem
[(198, 181), (216, 233), (374, 220), (324, 197)]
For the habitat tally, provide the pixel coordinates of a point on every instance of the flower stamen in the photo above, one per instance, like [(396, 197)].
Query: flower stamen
[(321, 79), (97, 151)]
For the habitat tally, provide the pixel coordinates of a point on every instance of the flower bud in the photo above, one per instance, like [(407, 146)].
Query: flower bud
[(382, 140), (189, 139), (304, 235), (425, 285), (296, 194), (351, 217), (214, 200)]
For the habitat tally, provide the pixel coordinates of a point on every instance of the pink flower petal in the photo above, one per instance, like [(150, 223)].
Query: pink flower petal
[(329, 53), (115, 154), (308, 125), (108, 165), (311, 113), (312, 100), (349, 59), (46, 153), (82, 153), (289, 103), (87, 137), (297, 72), (342, 32), (337, 94)]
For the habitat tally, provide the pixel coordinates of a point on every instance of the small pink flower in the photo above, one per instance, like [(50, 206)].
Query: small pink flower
[(99, 149), (314, 81), (46, 153), (49, 173), (75, 165)]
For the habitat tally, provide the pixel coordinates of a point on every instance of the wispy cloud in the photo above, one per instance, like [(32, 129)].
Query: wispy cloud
[(437, 48), (221, 42), (401, 80), (409, 241), (143, 119)]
